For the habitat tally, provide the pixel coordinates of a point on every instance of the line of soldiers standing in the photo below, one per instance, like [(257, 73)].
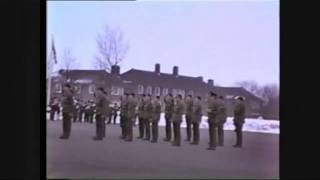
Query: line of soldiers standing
[(149, 111)]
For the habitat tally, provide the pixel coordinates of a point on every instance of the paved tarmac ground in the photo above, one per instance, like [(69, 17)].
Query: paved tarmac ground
[(82, 157)]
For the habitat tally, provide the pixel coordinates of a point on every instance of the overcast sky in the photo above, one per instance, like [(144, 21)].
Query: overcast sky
[(228, 41)]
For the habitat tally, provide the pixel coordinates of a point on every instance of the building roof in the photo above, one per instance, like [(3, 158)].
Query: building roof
[(164, 79)]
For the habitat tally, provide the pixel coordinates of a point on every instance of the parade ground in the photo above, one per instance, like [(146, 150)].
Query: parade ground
[(112, 158)]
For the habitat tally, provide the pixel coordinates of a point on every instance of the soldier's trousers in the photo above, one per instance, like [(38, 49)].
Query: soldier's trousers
[(53, 111), (177, 133), (168, 126), (99, 126), (188, 129), (91, 118), (212, 134), (80, 116), (123, 126), (129, 129), (239, 134), (220, 134), (147, 128), (155, 129), (103, 126), (141, 127), (196, 134), (114, 118), (66, 124)]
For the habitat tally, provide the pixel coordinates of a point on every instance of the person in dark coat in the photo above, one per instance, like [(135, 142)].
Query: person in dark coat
[(169, 102), (221, 118), (212, 120), (123, 115), (76, 110), (101, 113), (87, 111), (67, 110), (239, 119), (141, 125), (177, 119), (131, 103), (148, 116), (156, 114), (196, 119), (189, 105)]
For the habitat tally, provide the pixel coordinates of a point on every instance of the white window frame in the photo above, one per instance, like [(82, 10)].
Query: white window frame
[(149, 90), (174, 92), (140, 89), (77, 88), (190, 92), (229, 96), (58, 88), (92, 88), (165, 91), (157, 91), (116, 91), (181, 92)]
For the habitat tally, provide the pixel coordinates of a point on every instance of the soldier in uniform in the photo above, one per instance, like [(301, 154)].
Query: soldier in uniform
[(67, 111), (177, 119), (169, 101), (101, 113), (196, 119), (123, 115), (147, 116), (131, 116), (189, 104), (156, 106), (221, 118), (141, 107), (212, 120), (239, 119)]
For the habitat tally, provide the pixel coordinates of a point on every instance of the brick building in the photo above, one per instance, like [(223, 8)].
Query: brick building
[(150, 82)]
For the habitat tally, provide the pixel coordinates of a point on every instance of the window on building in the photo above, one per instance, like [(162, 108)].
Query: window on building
[(181, 92), (149, 90), (165, 91), (190, 92), (140, 89), (157, 91), (92, 88), (229, 96), (254, 105), (77, 89), (174, 92), (58, 88), (116, 91)]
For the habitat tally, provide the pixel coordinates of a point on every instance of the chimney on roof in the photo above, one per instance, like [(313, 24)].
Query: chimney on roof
[(175, 70), (157, 68), (210, 82), (115, 70)]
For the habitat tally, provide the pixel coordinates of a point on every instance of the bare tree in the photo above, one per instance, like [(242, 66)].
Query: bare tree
[(112, 48), (69, 62), (269, 93)]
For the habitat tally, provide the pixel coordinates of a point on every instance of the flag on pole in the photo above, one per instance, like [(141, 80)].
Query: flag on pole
[(54, 53)]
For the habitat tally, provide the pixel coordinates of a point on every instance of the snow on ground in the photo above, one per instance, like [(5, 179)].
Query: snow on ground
[(251, 125)]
